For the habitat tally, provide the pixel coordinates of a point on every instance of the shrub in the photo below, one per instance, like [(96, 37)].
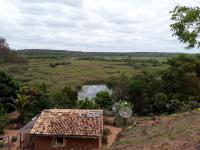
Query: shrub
[(58, 64), (105, 139), (160, 102), (106, 133), (8, 92), (174, 105), (119, 121), (103, 99), (86, 104), (13, 139), (1, 144), (3, 120)]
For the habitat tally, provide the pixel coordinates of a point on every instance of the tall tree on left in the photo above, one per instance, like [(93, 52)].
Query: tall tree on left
[(8, 92), (7, 55), (4, 50)]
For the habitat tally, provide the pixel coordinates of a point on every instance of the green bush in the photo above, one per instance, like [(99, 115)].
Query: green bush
[(13, 139), (103, 99), (1, 144), (160, 102), (174, 105), (104, 139), (106, 133), (119, 121), (58, 64), (3, 120), (86, 104)]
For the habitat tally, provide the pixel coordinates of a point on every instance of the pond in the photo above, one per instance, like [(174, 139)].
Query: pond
[(90, 91)]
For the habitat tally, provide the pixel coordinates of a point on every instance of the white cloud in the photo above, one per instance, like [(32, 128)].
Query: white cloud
[(90, 25)]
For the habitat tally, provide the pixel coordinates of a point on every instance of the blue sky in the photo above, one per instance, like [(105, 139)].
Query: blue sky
[(91, 25)]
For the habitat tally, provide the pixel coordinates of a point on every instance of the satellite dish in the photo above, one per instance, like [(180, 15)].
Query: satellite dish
[(125, 112)]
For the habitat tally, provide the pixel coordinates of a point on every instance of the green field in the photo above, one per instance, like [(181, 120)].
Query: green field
[(77, 70)]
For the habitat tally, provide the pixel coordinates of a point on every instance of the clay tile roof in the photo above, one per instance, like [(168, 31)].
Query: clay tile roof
[(69, 122)]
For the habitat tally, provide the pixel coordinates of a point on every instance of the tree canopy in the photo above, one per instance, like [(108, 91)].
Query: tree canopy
[(9, 89), (186, 25)]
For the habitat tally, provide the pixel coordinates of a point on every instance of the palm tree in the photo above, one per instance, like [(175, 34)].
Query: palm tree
[(21, 101)]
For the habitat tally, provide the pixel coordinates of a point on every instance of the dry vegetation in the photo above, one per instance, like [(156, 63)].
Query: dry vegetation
[(173, 132)]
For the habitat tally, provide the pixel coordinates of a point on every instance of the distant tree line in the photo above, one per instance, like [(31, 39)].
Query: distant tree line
[(46, 53)]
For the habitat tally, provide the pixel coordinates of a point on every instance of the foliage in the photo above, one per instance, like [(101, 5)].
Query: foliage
[(123, 103), (7, 55), (3, 119), (13, 139), (119, 121), (103, 100), (9, 89), (175, 88), (106, 132), (21, 102), (136, 95), (160, 103), (1, 144), (33, 100), (186, 25), (53, 65), (86, 104), (121, 89), (182, 76), (67, 98)]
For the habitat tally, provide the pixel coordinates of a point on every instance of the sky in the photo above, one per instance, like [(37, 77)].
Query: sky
[(91, 25)]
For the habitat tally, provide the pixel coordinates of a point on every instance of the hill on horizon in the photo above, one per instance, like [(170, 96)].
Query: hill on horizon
[(81, 53)]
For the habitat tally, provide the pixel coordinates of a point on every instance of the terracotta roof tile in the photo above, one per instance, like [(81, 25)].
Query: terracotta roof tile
[(69, 122)]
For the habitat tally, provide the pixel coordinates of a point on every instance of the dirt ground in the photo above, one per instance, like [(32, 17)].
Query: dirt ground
[(179, 131), (113, 134)]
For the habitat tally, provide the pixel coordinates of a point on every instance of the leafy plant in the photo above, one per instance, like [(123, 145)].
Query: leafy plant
[(103, 100), (106, 133), (13, 139), (3, 119)]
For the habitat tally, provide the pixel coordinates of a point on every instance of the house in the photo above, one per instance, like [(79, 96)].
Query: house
[(64, 129)]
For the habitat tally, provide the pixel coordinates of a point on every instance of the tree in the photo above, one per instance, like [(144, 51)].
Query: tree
[(121, 88), (7, 55), (21, 102), (33, 100), (85, 104), (186, 25), (4, 50), (103, 99), (136, 96), (8, 91), (182, 76), (67, 98), (160, 103), (3, 119)]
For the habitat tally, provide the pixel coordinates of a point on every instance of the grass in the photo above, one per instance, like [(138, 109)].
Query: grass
[(76, 72), (179, 130)]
